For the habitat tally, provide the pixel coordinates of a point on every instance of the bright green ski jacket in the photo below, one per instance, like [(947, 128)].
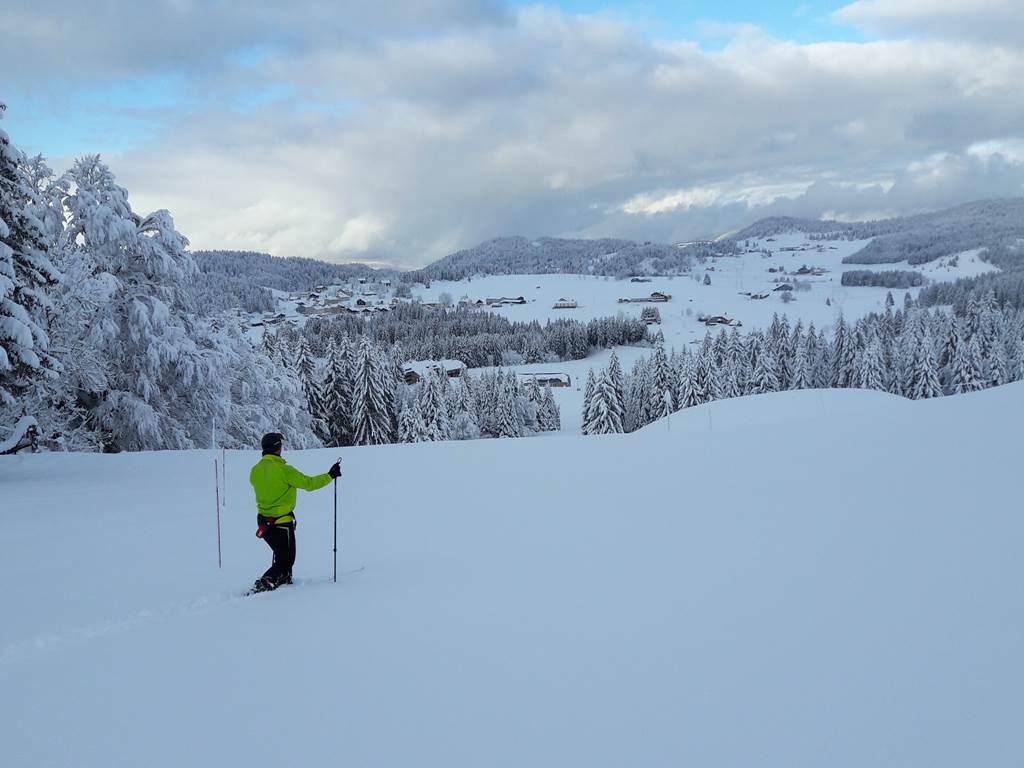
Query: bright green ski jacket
[(274, 482)]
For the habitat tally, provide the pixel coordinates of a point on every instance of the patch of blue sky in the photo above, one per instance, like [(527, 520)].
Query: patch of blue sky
[(68, 118), (711, 22)]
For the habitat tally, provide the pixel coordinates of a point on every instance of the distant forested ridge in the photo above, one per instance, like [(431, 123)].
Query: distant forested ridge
[(551, 255), (993, 228), (286, 273)]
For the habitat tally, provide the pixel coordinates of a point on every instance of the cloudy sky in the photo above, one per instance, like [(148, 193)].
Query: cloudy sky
[(402, 130)]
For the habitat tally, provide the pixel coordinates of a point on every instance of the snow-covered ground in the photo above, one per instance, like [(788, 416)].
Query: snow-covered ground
[(799, 579), (731, 277)]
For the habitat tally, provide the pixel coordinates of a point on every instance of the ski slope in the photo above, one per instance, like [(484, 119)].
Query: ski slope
[(799, 579)]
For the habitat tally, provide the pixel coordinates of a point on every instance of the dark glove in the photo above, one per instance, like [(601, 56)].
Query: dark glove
[(335, 470)]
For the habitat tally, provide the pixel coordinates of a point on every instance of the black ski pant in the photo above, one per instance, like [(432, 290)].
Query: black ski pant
[(280, 539)]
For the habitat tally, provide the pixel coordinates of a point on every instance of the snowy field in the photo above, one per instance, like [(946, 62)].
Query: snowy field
[(730, 278), (800, 579)]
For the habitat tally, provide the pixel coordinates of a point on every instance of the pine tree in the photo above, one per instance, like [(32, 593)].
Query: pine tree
[(661, 379), (764, 378), (603, 416), (305, 367), (689, 395), (373, 403), (924, 382), (25, 274), (411, 428), (615, 373), (509, 421), (588, 395), (845, 356), (434, 408), (337, 392), (871, 370), (965, 369), (801, 375), (706, 375), (550, 418)]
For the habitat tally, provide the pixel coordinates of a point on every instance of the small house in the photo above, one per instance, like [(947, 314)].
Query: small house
[(547, 379), (783, 287), (639, 279), (565, 304), (417, 370)]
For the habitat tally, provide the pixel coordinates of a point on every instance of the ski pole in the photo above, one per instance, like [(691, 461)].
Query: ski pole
[(336, 528)]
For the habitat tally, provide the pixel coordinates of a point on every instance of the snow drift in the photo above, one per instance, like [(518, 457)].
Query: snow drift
[(802, 579)]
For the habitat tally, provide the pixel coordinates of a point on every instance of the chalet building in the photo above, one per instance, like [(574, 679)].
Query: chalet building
[(639, 279), (783, 287), (712, 320), (565, 304), (656, 297), (504, 300), (547, 379), (417, 370)]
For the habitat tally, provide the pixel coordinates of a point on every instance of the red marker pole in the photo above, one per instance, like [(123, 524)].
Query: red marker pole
[(216, 491)]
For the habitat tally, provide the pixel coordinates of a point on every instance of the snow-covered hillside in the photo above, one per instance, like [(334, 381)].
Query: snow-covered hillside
[(732, 279), (801, 579)]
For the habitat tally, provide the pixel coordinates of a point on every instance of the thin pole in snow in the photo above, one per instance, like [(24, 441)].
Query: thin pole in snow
[(216, 491), (335, 530), (224, 474)]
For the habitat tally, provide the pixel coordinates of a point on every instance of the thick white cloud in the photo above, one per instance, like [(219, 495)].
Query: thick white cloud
[(403, 147), (986, 20)]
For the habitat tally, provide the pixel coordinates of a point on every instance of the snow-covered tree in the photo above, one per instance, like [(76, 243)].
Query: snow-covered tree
[(871, 368), (965, 368), (126, 304), (25, 273), (923, 382), (549, 417), (434, 408), (411, 428), (764, 379), (603, 416), (372, 399), (509, 418), (337, 392)]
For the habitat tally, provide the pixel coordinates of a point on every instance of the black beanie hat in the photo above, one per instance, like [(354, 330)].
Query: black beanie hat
[(271, 442)]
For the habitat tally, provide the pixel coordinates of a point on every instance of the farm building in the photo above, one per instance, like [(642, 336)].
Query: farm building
[(548, 379), (719, 320), (814, 271), (639, 279), (565, 304), (656, 297), (505, 300), (417, 370), (783, 287)]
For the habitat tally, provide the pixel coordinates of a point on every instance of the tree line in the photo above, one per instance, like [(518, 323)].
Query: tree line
[(913, 352)]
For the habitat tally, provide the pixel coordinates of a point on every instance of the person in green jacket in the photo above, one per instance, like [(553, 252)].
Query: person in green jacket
[(274, 481)]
